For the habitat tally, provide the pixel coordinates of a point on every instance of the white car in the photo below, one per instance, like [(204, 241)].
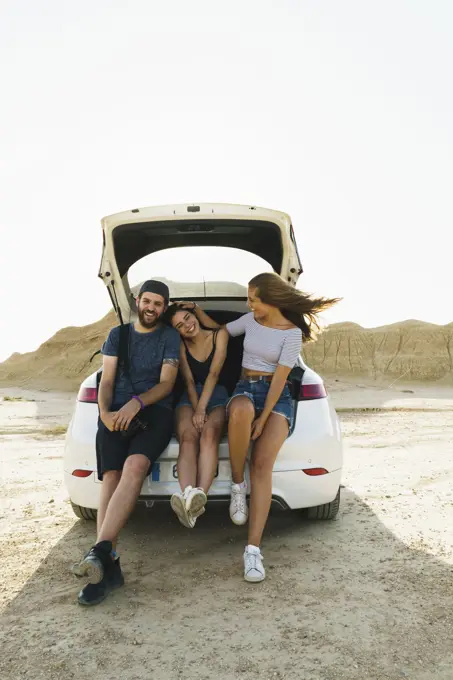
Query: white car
[(307, 472)]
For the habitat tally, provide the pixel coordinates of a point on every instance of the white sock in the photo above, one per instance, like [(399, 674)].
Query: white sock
[(241, 485)]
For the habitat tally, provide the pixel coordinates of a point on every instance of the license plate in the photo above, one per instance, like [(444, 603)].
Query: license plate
[(167, 472)]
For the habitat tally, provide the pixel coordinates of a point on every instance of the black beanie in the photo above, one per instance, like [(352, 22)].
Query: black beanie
[(156, 287)]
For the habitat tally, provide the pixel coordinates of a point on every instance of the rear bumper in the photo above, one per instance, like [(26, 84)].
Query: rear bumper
[(83, 491), (298, 490), (315, 442), (291, 490)]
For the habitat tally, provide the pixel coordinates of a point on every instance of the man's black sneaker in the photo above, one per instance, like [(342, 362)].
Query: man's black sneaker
[(94, 593), (95, 563)]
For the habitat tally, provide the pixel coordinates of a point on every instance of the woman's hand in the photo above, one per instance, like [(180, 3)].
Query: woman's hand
[(258, 427), (198, 419)]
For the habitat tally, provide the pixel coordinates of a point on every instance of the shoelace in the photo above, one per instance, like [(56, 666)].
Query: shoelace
[(239, 501), (187, 490), (253, 561)]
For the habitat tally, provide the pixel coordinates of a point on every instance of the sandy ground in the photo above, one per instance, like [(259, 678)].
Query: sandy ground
[(368, 596)]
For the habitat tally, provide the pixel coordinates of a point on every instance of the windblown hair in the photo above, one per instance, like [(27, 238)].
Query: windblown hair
[(299, 308)]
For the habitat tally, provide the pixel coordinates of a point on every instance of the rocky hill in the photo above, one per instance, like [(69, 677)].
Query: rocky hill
[(411, 350), (62, 362)]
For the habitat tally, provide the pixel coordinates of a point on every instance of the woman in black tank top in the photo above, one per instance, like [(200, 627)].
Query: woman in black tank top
[(200, 414)]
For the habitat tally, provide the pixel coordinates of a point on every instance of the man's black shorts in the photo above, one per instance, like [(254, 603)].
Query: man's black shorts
[(112, 448)]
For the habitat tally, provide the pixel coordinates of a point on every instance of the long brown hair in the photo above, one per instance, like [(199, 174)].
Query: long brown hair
[(299, 308)]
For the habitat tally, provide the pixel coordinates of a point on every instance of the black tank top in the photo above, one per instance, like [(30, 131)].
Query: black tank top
[(200, 369)]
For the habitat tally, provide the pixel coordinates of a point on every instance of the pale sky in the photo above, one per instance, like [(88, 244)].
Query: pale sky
[(339, 113)]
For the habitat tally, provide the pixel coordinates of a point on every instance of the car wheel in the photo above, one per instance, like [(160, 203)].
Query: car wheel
[(84, 513), (326, 511)]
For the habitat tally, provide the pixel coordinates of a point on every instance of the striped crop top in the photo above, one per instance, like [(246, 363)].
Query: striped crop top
[(264, 347)]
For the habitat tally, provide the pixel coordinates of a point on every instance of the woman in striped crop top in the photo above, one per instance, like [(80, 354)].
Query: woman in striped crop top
[(261, 407)]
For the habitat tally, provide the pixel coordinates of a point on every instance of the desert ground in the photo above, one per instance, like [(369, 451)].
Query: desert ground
[(368, 596)]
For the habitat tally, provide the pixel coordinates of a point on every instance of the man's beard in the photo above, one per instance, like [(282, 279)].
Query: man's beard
[(148, 322)]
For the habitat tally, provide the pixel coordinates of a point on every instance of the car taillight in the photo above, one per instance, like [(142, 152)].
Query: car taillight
[(82, 473), (314, 472), (88, 395), (314, 391)]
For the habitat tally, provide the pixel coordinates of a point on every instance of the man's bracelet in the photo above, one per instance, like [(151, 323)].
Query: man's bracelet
[(142, 405)]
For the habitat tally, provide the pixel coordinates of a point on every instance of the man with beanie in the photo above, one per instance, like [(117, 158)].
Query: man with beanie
[(135, 426)]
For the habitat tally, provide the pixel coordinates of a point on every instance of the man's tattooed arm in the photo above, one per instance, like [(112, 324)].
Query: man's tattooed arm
[(171, 362)]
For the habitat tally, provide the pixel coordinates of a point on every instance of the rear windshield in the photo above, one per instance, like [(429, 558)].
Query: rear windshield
[(204, 271)]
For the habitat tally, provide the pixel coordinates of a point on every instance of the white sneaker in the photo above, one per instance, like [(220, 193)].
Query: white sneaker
[(196, 500), (254, 571), (239, 511), (178, 504)]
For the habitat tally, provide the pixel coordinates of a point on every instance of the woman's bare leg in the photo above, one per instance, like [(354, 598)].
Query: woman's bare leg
[(189, 446), (241, 416), (209, 448), (265, 452)]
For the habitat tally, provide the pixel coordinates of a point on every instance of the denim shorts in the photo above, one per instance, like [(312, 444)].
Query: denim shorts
[(219, 397), (257, 391)]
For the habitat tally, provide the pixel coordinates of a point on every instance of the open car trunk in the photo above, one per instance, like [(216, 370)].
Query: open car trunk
[(132, 235)]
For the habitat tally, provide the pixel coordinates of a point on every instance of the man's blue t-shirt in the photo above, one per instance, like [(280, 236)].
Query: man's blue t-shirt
[(147, 352)]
